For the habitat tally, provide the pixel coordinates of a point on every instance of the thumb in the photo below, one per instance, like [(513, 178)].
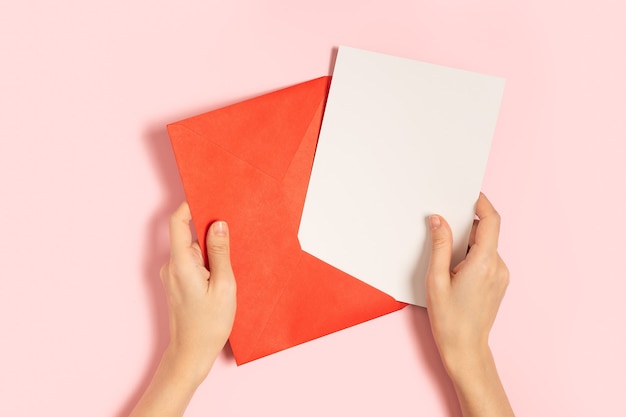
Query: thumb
[(441, 251), (218, 249)]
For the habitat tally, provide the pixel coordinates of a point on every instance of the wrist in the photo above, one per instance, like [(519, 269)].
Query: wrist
[(172, 386), (477, 383), (189, 368), (467, 364)]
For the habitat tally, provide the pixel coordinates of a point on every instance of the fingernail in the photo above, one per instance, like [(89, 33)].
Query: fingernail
[(434, 221), (220, 228)]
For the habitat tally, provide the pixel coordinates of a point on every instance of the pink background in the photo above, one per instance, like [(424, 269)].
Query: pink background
[(87, 181)]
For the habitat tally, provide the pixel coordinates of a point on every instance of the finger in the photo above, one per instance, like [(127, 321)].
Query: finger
[(218, 250), (472, 238), (180, 233), (441, 251), (488, 224)]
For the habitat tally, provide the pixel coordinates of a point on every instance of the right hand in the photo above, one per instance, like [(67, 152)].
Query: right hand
[(463, 302)]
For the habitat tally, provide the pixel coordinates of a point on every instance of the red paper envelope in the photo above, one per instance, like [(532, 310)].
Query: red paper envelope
[(249, 164)]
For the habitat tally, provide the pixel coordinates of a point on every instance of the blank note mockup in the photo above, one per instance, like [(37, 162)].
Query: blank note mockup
[(400, 140)]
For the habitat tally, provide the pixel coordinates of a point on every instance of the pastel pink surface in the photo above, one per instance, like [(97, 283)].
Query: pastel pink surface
[(88, 181)]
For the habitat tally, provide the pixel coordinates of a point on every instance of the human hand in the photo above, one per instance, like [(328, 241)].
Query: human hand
[(463, 302), (201, 305), (462, 306), (201, 302)]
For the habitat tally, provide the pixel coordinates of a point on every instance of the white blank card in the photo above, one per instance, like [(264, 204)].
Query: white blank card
[(400, 140)]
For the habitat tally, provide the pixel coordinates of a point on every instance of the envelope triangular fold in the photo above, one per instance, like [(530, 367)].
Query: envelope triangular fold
[(249, 164)]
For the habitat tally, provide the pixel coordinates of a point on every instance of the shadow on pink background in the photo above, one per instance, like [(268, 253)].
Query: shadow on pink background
[(156, 251), (88, 182)]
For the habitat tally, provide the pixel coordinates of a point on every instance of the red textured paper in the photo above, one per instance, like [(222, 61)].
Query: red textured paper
[(249, 164)]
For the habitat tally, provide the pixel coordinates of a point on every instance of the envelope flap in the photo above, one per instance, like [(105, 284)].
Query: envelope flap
[(239, 173), (269, 122), (255, 177), (327, 301), (219, 185)]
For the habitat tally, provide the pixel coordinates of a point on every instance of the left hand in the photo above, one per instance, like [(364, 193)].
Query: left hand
[(201, 302)]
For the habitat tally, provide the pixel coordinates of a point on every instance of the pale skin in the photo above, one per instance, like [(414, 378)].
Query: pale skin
[(201, 305), (462, 305)]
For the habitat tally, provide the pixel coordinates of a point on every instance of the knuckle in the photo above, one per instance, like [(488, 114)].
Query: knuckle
[(164, 272), (497, 218), (484, 259), (488, 269), (177, 218), (487, 266), (505, 275), (439, 242), (218, 248), (177, 269), (434, 285), (227, 286)]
